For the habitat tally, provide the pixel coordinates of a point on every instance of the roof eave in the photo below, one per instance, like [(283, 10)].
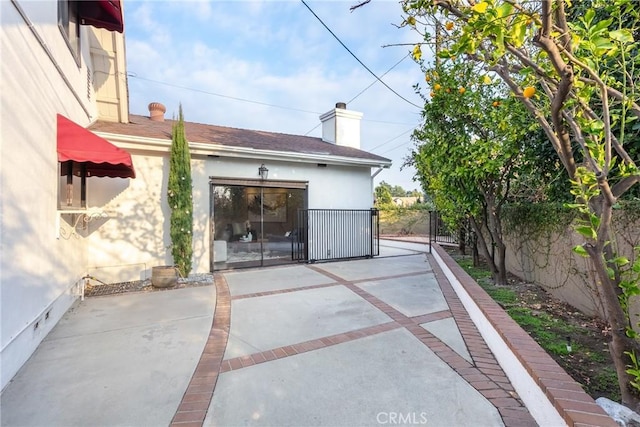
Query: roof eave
[(133, 143)]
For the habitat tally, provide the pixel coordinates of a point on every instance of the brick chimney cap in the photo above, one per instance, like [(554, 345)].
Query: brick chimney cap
[(156, 106), (156, 112)]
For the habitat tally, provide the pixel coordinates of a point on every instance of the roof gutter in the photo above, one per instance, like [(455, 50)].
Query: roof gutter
[(378, 171), (138, 143)]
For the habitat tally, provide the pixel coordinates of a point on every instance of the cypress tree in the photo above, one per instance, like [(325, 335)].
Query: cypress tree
[(180, 198)]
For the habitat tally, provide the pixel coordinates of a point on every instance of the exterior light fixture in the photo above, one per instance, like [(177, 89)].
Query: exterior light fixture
[(263, 172)]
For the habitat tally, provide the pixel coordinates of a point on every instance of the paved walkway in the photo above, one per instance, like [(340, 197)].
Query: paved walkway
[(384, 341)]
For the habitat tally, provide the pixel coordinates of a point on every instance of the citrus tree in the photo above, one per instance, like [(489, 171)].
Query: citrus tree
[(470, 152), (575, 69), (180, 198)]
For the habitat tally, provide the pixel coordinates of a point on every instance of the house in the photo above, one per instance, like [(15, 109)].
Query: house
[(77, 202), (231, 226), (405, 202)]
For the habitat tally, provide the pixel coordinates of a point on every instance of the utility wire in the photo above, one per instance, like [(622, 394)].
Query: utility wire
[(375, 81), (363, 91), (391, 140), (135, 76), (356, 58), (395, 147), (220, 95)]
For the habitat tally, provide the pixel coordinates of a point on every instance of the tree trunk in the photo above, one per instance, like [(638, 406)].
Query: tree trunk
[(616, 318), (462, 241), (494, 226), (501, 263), (474, 252), (482, 247), (600, 253)]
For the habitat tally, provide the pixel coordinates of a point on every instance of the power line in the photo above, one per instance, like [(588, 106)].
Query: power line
[(392, 139), (357, 59), (221, 96), (135, 76), (375, 81), (363, 91), (395, 147)]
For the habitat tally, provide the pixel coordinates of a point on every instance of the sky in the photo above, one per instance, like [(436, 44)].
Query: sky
[(272, 66)]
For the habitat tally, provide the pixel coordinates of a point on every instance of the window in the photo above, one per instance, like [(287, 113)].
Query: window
[(69, 24)]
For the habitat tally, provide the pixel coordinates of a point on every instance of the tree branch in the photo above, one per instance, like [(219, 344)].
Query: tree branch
[(561, 19), (635, 108), (624, 185), (548, 130), (564, 87), (362, 3)]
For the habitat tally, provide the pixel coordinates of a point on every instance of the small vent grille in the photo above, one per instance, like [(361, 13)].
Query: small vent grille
[(88, 83)]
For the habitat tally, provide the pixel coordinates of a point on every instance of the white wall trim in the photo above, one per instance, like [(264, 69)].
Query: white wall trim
[(129, 142), (531, 394)]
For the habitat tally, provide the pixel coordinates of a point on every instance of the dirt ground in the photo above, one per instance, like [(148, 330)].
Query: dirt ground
[(555, 325), (590, 363)]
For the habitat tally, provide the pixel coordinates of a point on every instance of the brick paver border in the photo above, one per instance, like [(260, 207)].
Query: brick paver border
[(192, 410), (484, 374), (575, 406)]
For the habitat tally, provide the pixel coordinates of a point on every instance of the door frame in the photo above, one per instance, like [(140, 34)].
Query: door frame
[(247, 182)]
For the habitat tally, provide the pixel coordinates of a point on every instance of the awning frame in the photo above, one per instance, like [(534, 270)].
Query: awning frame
[(83, 153), (105, 14)]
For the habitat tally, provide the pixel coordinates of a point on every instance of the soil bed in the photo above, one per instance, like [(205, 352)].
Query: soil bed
[(575, 341), (96, 288)]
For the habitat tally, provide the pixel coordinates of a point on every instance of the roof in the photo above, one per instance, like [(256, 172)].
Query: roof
[(220, 136)]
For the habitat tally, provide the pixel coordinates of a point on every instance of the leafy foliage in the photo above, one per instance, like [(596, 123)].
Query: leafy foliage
[(470, 153), (180, 198), (577, 71)]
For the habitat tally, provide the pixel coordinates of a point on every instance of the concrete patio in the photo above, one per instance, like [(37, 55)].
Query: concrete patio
[(402, 339)]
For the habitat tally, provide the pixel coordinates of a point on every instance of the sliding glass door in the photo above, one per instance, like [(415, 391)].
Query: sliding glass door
[(253, 225)]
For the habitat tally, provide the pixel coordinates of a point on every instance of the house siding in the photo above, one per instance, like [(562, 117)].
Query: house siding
[(38, 271), (136, 237), (41, 269)]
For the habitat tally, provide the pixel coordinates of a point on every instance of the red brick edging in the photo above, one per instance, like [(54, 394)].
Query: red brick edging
[(196, 400), (574, 405), (484, 374)]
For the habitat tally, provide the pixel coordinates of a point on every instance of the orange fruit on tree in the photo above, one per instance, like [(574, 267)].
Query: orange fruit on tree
[(529, 91), (449, 25), (437, 86), (496, 103), (432, 94), (427, 77), (448, 90), (461, 89)]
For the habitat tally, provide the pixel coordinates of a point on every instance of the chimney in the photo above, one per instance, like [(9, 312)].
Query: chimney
[(156, 112), (341, 126)]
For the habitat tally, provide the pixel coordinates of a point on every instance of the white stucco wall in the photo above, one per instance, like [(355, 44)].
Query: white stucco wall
[(38, 271), (136, 237)]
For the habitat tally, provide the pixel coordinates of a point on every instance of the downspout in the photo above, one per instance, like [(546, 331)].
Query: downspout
[(377, 172)]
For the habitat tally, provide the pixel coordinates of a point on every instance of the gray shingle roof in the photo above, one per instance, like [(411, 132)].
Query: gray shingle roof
[(142, 126)]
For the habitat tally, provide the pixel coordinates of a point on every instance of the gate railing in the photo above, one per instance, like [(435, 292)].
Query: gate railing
[(332, 234), (439, 231)]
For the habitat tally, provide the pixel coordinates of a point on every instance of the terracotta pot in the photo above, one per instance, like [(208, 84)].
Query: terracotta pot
[(164, 276)]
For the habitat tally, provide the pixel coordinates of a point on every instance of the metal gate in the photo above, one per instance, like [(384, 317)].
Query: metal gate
[(333, 234)]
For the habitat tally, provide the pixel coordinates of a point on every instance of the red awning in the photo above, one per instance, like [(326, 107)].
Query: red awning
[(101, 158), (101, 14)]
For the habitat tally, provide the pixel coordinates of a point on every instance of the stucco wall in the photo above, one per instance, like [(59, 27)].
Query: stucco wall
[(38, 270), (136, 236), (547, 259)]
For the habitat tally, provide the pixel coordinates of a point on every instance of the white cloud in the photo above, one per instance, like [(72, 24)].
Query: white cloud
[(275, 53)]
